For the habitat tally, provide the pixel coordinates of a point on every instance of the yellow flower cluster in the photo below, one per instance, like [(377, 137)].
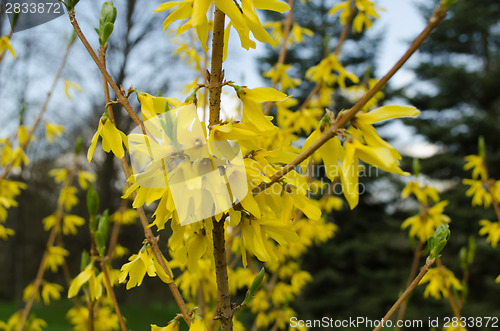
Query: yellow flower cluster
[(423, 225)]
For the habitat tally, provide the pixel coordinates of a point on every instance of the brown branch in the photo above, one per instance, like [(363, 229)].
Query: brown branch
[(413, 272), (224, 309), (345, 118), (216, 75), (111, 293), (345, 29), (148, 233), (145, 224), (121, 98), (407, 292)]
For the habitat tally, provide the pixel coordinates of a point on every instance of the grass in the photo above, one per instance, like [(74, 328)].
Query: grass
[(138, 317)]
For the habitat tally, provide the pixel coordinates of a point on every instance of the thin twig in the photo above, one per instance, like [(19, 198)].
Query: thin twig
[(145, 224), (287, 25), (413, 272), (26, 143), (121, 98), (345, 118), (50, 243), (111, 293), (407, 292)]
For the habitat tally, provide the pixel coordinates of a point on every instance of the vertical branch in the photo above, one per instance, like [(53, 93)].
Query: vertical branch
[(225, 312), (216, 74)]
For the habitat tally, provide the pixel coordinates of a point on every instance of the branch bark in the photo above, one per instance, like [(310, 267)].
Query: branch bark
[(224, 310)]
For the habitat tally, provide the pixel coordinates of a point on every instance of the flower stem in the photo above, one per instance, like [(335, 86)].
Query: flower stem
[(111, 293), (406, 293)]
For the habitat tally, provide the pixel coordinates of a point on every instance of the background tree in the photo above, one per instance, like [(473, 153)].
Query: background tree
[(458, 105)]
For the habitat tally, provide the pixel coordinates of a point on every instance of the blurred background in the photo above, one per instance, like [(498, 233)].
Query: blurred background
[(454, 80)]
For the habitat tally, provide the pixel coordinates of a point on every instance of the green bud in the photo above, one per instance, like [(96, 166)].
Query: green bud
[(85, 260), (416, 166), (257, 282), (105, 33), (92, 201), (439, 241), (71, 4), (104, 223), (107, 15), (78, 145), (101, 235), (448, 3), (481, 146)]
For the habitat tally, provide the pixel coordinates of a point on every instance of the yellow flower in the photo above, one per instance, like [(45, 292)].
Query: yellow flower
[(59, 174), (84, 178), (423, 226), (278, 73), (51, 291), (71, 222), (330, 71), (55, 257), (477, 164), (52, 131), (252, 100), (244, 19), (197, 325), (480, 196), (139, 265), (492, 229), (422, 194), (68, 85), (439, 279), (6, 232), (112, 139), (68, 198), (172, 326), (127, 217), (5, 45), (86, 276)]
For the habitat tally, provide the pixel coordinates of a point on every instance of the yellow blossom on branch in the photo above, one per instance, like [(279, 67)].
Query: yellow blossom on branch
[(52, 131), (112, 139), (492, 230), (439, 279), (243, 18), (5, 45)]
